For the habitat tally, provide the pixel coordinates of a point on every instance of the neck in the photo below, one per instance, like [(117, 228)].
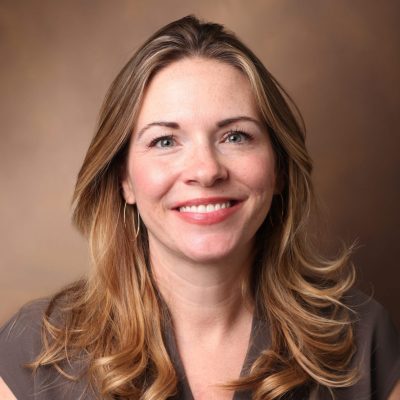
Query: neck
[(204, 295)]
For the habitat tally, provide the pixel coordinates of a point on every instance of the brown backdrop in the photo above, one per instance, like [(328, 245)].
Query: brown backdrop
[(340, 60)]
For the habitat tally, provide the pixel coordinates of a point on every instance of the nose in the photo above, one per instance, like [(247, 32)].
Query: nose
[(204, 167)]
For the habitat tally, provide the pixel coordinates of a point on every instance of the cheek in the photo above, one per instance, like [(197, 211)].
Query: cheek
[(259, 174), (150, 180)]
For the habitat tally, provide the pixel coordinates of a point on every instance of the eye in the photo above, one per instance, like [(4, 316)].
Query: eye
[(166, 141), (237, 136)]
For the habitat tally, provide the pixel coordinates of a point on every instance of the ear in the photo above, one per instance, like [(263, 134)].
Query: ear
[(127, 187), (127, 191)]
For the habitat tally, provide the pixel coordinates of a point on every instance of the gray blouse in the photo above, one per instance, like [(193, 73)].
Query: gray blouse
[(378, 358)]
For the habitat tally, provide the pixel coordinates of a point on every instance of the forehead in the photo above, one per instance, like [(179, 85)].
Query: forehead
[(197, 88)]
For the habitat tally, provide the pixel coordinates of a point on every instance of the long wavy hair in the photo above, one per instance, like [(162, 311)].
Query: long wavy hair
[(115, 318)]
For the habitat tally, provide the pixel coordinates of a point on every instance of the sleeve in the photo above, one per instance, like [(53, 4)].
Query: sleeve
[(385, 356), (378, 353), (20, 343)]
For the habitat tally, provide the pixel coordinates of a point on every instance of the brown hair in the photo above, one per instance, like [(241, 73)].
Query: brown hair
[(117, 317)]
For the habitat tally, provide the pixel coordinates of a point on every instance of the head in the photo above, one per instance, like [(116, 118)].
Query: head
[(99, 193), (121, 294)]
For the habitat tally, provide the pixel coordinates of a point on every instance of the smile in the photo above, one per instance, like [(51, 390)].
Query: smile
[(207, 211), (205, 208)]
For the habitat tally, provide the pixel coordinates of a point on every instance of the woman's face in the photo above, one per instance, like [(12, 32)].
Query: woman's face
[(201, 168)]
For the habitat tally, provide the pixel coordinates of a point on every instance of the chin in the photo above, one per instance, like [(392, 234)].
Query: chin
[(209, 259), (209, 253)]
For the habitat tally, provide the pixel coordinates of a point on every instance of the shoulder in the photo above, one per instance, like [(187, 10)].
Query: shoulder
[(20, 343), (377, 345), (371, 319), (376, 350), (23, 330), (26, 321), (363, 305)]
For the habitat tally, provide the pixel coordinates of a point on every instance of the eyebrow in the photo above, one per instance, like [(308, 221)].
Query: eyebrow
[(220, 124)]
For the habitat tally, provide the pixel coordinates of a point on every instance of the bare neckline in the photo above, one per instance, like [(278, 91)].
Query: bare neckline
[(259, 340)]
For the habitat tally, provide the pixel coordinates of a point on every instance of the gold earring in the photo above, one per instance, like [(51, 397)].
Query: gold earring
[(138, 223), (124, 214)]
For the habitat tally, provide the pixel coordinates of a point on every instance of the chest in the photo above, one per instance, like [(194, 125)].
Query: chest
[(206, 372)]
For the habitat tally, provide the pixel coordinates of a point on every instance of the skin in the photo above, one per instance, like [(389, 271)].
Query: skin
[(5, 391), (200, 268), (395, 394)]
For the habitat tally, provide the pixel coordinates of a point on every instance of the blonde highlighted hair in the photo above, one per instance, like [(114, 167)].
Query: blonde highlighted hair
[(115, 319)]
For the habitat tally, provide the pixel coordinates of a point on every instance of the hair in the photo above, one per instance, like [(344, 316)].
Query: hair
[(115, 318)]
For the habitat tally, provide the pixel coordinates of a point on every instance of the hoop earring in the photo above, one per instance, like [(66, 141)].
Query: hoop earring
[(136, 229), (138, 223)]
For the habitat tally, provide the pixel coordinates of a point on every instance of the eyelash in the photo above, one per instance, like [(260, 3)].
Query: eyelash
[(158, 139), (246, 135)]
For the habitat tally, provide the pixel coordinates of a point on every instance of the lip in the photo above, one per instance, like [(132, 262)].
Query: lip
[(209, 218)]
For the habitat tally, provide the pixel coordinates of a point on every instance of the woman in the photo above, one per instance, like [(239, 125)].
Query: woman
[(194, 195)]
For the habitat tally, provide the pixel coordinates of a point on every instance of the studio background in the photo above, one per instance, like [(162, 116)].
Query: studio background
[(339, 60)]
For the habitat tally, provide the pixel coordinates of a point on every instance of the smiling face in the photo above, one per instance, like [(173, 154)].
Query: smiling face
[(200, 167)]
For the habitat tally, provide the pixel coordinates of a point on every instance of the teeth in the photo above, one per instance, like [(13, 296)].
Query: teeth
[(205, 208)]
